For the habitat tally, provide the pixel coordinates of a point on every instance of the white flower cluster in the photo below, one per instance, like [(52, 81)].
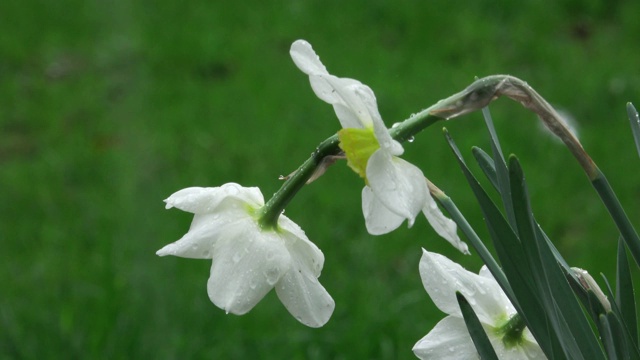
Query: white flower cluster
[(249, 260)]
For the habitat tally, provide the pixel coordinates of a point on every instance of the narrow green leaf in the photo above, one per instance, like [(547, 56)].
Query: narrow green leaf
[(501, 168), (624, 346), (629, 347), (474, 240), (476, 331), (635, 124), (515, 266), (487, 165), (611, 202), (559, 301), (625, 294), (607, 337)]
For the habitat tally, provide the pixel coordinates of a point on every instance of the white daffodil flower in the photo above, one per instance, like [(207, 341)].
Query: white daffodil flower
[(450, 339), (249, 261), (395, 189)]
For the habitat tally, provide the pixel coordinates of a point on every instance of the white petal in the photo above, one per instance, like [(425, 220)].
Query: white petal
[(377, 217), (247, 263), (523, 351), (368, 99), (200, 200), (444, 226), (448, 340), (349, 92), (202, 236), (306, 59), (347, 117), (294, 236), (299, 290), (323, 89), (397, 184), (501, 298), (442, 277)]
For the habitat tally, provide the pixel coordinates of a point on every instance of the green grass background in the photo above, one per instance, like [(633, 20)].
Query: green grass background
[(108, 107)]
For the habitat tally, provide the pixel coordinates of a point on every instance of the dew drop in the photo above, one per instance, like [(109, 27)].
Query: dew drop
[(411, 139), (236, 258), (272, 275), (253, 284)]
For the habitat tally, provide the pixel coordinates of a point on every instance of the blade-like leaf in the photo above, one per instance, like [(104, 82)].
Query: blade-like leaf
[(487, 165), (474, 240), (515, 266), (607, 337), (476, 331), (635, 124), (611, 202), (626, 341), (565, 313), (501, 168), (625, 295)]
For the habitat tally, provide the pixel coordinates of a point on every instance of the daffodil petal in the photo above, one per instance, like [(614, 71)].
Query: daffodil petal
[(296, 238), (346, 116), (448, 340), (198, 242), (397, 184), (444, 226), (299, 289), (442, 277), (245, 267), (523, 351), (378, 219), (349, 91), (200, 200), (501, 298), (306, 58)]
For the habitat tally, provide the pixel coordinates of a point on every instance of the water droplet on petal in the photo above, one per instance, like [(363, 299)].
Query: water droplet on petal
[(272, 275), (253, 284)]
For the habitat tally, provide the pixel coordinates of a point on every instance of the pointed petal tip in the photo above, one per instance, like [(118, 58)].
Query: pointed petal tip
[(167, 250)]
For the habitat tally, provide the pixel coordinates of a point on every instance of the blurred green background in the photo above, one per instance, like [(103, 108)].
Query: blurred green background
[(108, 107)]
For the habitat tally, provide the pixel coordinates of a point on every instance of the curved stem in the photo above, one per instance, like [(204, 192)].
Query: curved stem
[(269, 214)]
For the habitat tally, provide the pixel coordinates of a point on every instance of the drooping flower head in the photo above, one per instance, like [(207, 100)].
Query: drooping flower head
[(450, 339), (395, 189), (249, 261)]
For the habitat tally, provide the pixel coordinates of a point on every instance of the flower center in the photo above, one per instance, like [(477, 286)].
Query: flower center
[(511, 332), (358, 145)]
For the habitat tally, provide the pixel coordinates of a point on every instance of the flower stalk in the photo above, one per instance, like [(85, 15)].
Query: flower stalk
[(275, 206)]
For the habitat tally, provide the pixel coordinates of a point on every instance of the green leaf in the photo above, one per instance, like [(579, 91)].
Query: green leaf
[(625, 295), (635, 124), (501, 168), (520, 288), (487, 165), (607, 337), (611, 202), (476, 331), (474, 240), (559, 302), (625, 342)]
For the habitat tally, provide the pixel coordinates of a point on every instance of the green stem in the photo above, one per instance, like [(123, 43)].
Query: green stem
[(274, 207)]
